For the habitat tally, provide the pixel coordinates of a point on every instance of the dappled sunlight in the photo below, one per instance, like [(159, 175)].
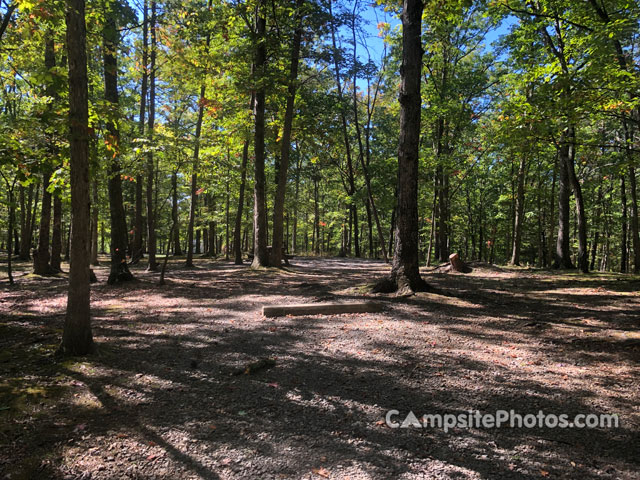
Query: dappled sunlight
[(163, 393)]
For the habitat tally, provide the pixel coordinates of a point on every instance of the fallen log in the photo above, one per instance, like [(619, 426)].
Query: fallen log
[(320, 309)]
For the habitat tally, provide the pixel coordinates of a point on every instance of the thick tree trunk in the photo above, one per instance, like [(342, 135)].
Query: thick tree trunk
[(119, 270), (563, 254), (260, 254), (405, 271), (519, 213), (56, 234), (285, 145), (237, 231), (151, 214), (77, 338)]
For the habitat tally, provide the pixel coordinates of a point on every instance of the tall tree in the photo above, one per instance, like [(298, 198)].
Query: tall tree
[(139, 223), (151, 214), (119, 271), (42, 256), (260, 254), (285, 139), (405, 272), (76, 337)]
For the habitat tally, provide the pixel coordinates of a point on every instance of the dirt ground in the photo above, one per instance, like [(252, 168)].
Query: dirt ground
[(159, 399)]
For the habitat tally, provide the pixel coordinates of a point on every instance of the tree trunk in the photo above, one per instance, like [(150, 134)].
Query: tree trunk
[(405, 271), (583, 249), (597, 223), (56, 234), (41, 255), (237, 232), (11, 219), (77, 338), (519, 213), (634, 220), (139, 223), (350, 184), (260, 254), (194, 179), (119, 270), (151, 220), (623, 240), (316, 217), (294, 232), (175, 228), (25, 223), (285, 145), (226, 221), (94, 225), (563, 254)]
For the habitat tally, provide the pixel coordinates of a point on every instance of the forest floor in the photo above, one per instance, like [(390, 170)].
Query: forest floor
[(159, 399)]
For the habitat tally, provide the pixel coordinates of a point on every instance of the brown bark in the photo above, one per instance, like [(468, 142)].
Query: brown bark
[(237, 232), (260, 254), (583, 249), (151, 220), (139, 223), (56, 234), (119, 271), (285, 145), (77, 338), (42, 256), (519, 213), (26, 222), (405, 269), (635, 238), (175, 228), (350, 186), (563, 254), (623, 238), (194, 179), (94, 224)]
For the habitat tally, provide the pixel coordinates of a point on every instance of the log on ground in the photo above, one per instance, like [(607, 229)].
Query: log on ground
[(320, 309)]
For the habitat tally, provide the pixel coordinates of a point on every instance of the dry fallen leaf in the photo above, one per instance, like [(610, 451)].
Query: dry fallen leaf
[(544, 473), (323, 472)]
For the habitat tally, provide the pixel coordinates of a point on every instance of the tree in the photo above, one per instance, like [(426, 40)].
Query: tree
[(285, 139), (77, 338), (405, 272), (119, 270), (260, 254)]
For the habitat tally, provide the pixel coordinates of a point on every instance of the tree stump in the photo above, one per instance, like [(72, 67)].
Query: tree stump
[(458, 265)]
